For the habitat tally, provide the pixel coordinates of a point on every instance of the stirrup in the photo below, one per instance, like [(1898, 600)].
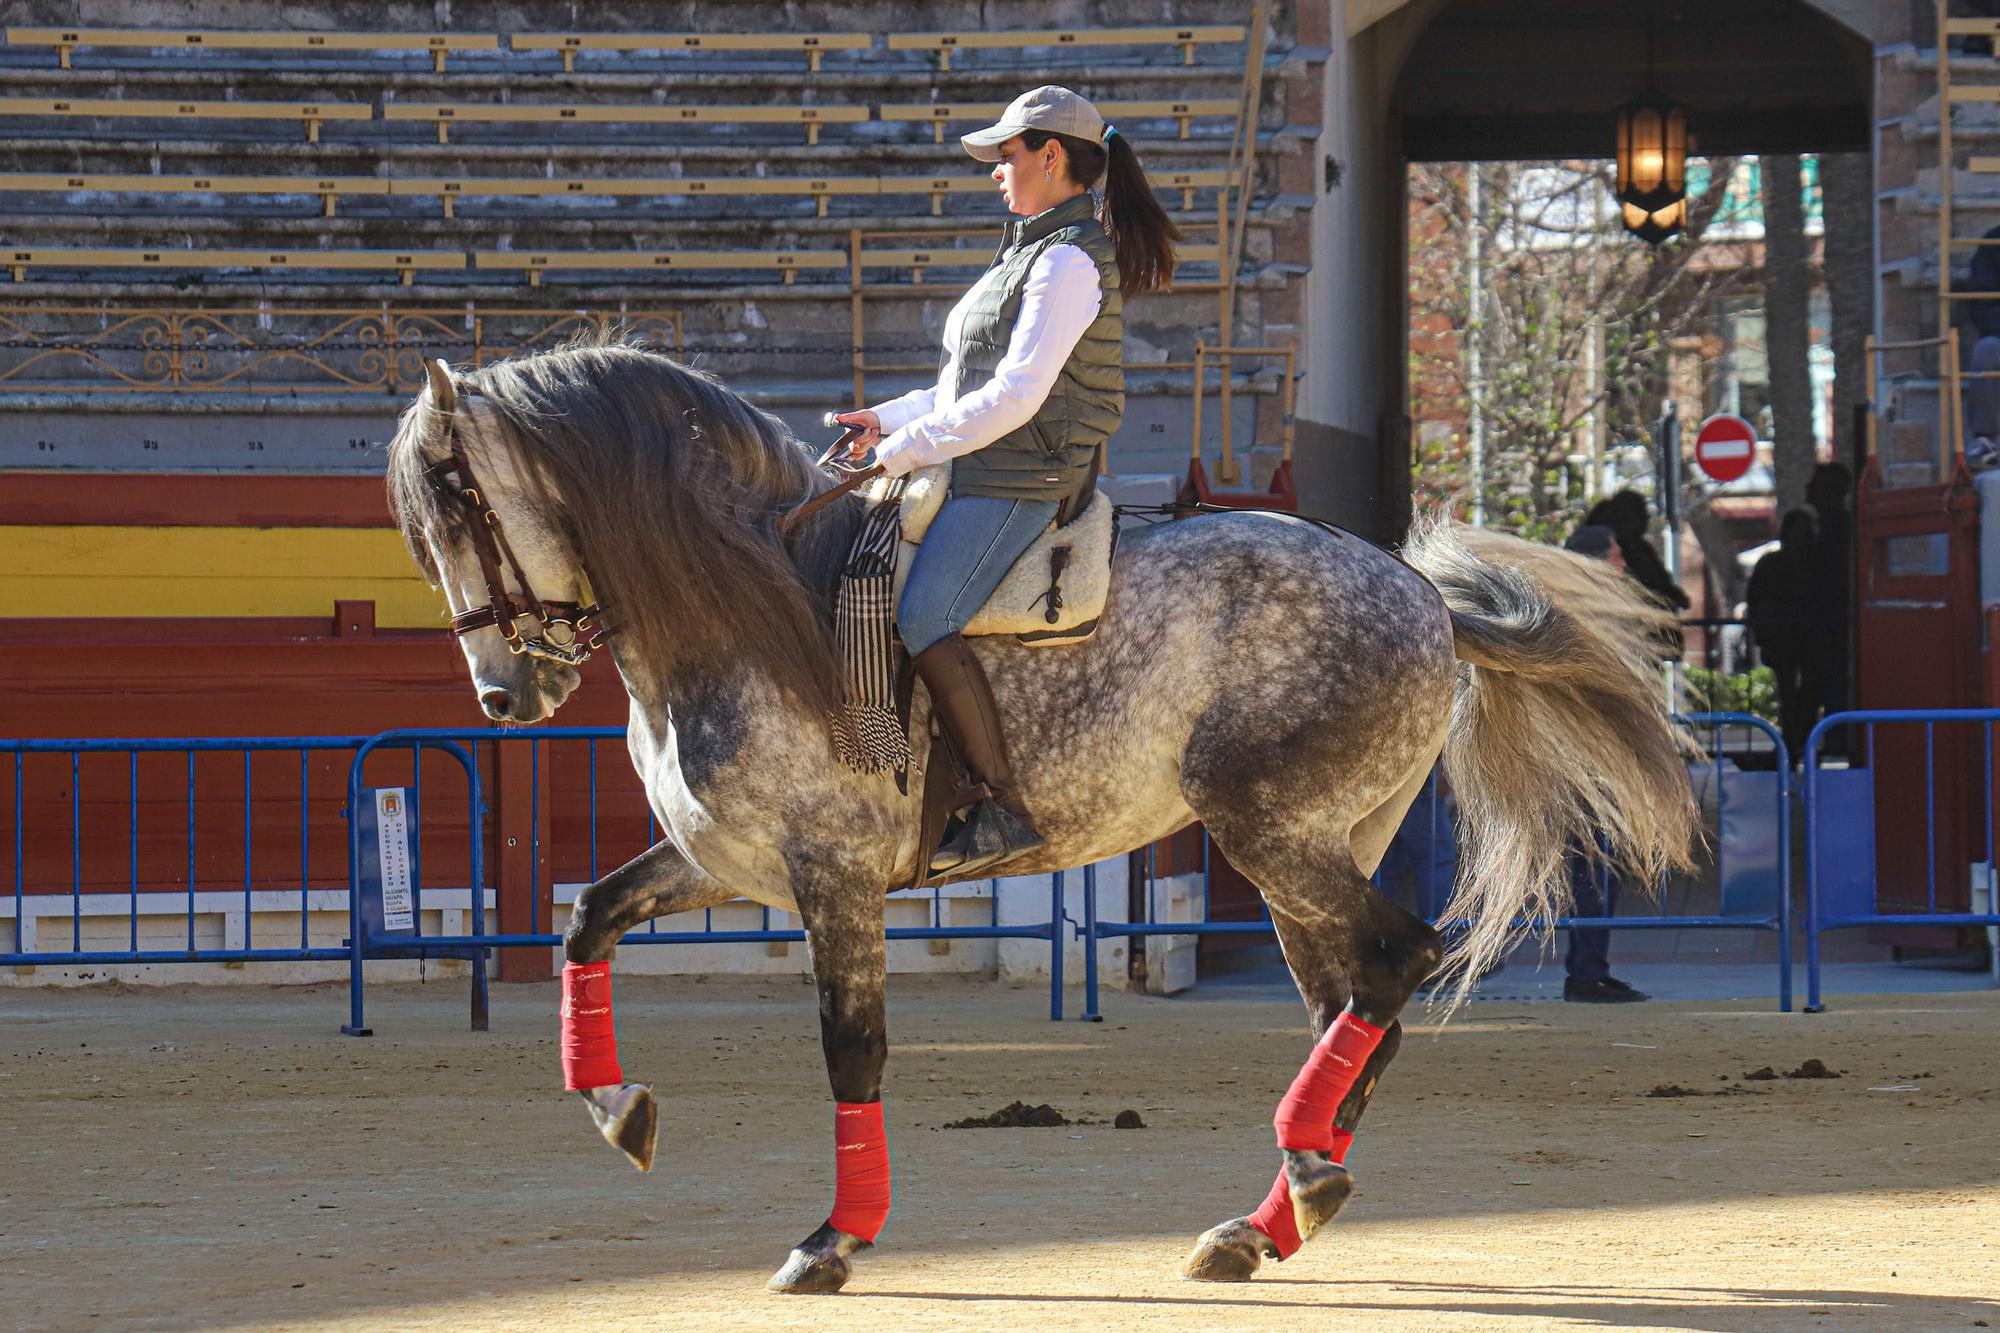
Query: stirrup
[(990, 835)]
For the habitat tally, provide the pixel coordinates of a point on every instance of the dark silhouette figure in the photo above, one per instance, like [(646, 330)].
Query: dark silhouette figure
[(1787, 618), (1627, 516), (1587, 975)]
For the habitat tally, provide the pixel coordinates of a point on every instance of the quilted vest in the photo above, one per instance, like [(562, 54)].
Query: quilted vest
[(1055, 455)]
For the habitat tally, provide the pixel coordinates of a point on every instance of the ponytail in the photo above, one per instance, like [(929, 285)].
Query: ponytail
[(1140, 230)]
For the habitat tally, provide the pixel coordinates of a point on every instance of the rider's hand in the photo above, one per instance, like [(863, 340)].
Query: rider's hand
[(868, 424)]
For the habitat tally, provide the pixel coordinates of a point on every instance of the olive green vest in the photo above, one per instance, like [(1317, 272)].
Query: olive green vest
[(1055, 455)]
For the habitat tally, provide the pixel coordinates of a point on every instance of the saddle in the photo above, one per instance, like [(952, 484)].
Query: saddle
[(1055, 592)]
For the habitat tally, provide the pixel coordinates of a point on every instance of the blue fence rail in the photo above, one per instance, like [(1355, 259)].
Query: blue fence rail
[(469, 748), (1761, 900), (207, 848), (1843, 818), (141, 832)]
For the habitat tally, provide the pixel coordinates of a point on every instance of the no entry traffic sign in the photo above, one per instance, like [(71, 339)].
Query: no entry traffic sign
[(1725, 446)]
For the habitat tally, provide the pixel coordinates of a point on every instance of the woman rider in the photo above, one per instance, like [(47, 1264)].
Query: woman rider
[(1032, 384)]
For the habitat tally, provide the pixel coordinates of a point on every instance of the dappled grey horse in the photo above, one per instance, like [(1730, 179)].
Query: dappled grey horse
[(1287, 686)]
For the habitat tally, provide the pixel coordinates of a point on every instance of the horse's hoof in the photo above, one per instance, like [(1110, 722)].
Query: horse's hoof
[(1319, 1188), (820, 1265), (1231, 1252), (629, 1120)]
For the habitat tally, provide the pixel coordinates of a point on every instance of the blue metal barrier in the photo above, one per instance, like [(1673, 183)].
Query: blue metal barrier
[(1776, 916), (258, 894), (465, 746), (1852, 901)]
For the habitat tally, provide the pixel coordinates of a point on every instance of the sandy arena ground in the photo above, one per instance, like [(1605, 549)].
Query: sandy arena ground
[(203, 1158)]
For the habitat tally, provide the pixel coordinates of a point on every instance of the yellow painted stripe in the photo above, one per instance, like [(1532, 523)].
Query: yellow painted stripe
[(152, 572)]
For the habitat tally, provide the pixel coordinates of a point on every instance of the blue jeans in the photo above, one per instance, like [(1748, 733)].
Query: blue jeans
[(972, 543), (1589, 956)]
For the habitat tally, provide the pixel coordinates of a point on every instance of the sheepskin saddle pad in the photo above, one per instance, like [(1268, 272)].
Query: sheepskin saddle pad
[(1055, 592)]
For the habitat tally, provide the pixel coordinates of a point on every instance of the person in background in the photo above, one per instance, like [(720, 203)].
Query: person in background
[(1587, 963), (1626, 515), (1787, 614), (1982, 369)]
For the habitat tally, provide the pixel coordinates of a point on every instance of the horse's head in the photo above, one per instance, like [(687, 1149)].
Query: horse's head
[(488, 530)]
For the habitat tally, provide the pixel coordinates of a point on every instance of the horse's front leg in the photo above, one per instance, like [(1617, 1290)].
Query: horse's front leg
[(657, 882), (844, 933)]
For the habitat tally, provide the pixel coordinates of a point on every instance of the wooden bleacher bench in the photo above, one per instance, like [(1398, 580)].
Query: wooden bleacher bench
[(538, 262), (939, 114), (944, 43), (937, 187), (310, 114), (65, 40), (404, 262), (450, 188), (569, 43), (972, 256), (328, 188), (444, 113)]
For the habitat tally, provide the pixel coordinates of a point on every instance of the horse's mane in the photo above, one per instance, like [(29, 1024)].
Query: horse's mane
[(671, 487)]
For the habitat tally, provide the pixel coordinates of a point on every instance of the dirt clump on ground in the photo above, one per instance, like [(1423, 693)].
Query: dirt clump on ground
[(1014, 1115)]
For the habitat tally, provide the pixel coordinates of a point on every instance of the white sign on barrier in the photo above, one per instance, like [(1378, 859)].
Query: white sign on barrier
[(392, 841)]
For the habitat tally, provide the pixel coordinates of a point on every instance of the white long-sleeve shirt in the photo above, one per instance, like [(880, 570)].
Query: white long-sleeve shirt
[(927, 426)]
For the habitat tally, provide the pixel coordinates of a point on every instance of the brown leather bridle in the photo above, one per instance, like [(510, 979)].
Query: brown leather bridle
[(570, 632)]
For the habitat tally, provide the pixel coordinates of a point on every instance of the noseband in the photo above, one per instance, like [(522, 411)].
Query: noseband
[(570, 633)]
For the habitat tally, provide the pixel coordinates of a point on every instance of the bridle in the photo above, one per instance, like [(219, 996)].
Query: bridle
[(570, 632)]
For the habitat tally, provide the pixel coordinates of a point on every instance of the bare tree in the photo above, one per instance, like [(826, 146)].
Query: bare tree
[(1847, 205), (1561, 330), (1787, 333)]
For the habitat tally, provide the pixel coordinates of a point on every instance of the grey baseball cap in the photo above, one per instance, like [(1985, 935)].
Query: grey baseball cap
[(1049, 108)]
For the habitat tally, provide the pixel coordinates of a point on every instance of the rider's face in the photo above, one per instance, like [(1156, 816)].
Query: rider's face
[(1031, 180)]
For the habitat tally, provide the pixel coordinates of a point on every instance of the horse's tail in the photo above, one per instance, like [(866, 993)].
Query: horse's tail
[(1558, 737)]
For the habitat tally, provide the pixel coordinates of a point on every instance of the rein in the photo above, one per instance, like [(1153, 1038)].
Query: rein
[(570, 632)]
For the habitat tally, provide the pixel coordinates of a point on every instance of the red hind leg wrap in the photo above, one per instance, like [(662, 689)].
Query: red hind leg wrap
[(1274, 1216), (1305, 1117), (861, 1169), (589, 1038)]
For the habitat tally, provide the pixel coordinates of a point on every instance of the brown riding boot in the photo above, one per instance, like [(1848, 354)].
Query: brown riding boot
[(996, 828)]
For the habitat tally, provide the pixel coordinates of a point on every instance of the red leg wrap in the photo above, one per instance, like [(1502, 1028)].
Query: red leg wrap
[(1305, 1117), (861, 1169), (589, 1038), (1274, 1216)]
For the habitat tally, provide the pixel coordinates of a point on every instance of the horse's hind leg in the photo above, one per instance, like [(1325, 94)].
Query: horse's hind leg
[(1357, 959)]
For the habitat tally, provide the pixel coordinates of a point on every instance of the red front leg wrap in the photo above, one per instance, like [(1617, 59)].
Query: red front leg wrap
[(1274, 1216), (1305, 1118), (861, 1169), (589, 1038)]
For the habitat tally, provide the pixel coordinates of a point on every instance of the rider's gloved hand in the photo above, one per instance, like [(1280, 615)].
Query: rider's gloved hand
[(868, 424)]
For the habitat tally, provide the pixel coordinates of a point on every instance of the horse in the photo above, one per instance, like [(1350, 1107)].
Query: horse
[(1288, 685)]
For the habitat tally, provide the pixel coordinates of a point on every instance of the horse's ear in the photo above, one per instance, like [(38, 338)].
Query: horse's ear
[(442, 394)]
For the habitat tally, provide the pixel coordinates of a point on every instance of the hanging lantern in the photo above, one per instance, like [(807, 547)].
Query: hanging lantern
[(1652, 166)]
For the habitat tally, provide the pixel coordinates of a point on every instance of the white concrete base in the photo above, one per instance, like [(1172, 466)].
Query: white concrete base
[(272, 919)]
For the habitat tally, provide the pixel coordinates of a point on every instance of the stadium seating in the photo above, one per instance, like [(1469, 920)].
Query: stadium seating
[(66, 40), (813, 44), (941, 114), (328, 188), (309, 114), (538, 262), (404, 263), (444, 114), (945, 43)]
